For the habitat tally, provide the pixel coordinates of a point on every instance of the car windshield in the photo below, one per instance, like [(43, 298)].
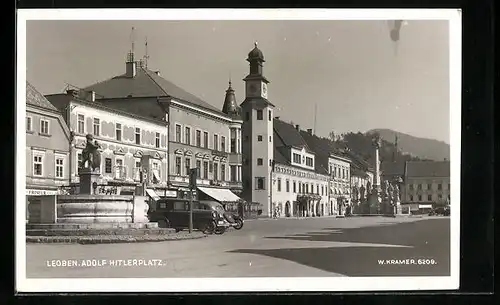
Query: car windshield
[(219, 209)]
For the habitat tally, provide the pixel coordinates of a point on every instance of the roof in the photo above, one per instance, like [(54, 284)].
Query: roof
[(146, 83), (35, 98), (230, 106), (255, 54), (428, 168), (390, 168), (289, 135)]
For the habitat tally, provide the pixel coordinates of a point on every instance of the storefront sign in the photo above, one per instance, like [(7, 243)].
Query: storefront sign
[(171, 193), (32, 192)]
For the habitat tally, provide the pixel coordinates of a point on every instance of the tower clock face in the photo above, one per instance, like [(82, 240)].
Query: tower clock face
[(264, 90)]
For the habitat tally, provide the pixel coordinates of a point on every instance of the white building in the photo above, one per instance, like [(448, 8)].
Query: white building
[(340, 183), (130, 144)]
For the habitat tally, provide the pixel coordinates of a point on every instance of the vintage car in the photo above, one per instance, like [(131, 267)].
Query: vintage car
[(174, 213), (232, 220), (444, 211)]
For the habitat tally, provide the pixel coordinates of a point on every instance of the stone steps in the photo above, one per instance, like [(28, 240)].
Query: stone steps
[(99, 232), (91, 226)]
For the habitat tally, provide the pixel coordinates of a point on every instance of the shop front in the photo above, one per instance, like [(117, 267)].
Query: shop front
[(308, 205)]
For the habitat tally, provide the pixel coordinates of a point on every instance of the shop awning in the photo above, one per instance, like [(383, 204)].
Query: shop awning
[(156, 175), (425, 206), (221, 195), (151, 193)]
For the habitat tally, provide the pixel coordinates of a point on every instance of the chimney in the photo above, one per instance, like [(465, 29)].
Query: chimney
[(157, 73), (276, 117), (72, 92), (91, 96), (310, 131), (131, 66), (297, 127)]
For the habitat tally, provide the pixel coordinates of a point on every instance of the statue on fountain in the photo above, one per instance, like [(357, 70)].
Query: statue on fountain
[(391, 202), (91, 156)]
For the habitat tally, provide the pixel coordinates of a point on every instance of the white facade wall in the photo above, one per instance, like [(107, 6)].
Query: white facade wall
[(282, 196)]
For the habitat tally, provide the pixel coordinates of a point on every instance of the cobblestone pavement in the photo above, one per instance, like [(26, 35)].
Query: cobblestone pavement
[(283, 247)]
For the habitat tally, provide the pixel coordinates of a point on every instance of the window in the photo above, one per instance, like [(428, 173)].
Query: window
[(59, 167), (157, 140), (259, 183), (419, 197), (322, 190), (44, 126), (307, 188), (96, 127), (259, 138), (287, 186), (247, 116), (216, 142), (198, 138), (79, 164), (37, 165), (178, 170), (216, 171), (259, 115), (187, 165), (270, 116), (223, 172), (178, 133), (233, 140), (419, 186), (205, 139), (29, 124), (411, 197), (429, 197), (260, 161), (294, 187), (270, 138), (119, 169), (343, 173), (309, 161), (187, 135), (118, 131), (81, 123), (205, 169), (300, 187), (411, 187), (440, 197), (138, 136), (440, 186), (137, 176), (312, 188), (233, 173), (429, 186), (296, 158), (223, 144), (198, 169), (279, 185), (107, 165), (317, 189)]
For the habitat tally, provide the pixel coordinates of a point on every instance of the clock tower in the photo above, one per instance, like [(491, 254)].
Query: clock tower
[(257, 131)]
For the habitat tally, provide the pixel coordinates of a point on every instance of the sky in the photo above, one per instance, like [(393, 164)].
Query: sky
[(350, 71)]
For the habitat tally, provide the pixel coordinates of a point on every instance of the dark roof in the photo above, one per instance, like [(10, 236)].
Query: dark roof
[(230, 106), (289, 135), (146, 83), (358, 161), (428, 169), (35, 98), (390, 168), (256, 53)]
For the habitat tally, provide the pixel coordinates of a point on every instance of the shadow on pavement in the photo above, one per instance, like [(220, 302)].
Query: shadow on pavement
[(428, 240)]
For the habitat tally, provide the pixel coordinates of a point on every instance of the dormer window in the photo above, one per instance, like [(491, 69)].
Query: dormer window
[(296, 158), (309, 161)]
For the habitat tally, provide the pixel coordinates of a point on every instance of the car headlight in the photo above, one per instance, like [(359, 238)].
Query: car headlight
[(214, 215)]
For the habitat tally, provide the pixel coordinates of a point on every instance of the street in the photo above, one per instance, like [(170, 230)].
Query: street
[(324, 247)]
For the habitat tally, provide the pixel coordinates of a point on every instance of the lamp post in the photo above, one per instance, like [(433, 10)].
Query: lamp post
[(193, 173)]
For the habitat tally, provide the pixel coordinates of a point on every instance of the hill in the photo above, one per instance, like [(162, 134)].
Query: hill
[(422, 148)]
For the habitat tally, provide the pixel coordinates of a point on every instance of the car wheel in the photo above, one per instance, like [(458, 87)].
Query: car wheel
[(239, 224), (164, 223), (209, 228)]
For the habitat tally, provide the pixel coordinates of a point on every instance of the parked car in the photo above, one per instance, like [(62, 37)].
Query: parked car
[(174, 213), (233, 220), (443, 211)]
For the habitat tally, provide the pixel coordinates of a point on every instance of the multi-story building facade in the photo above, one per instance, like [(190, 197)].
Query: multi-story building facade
[(339, 168), (200, 135), (257, 135), (427, 183), (48, 141), (134, 149), (299, 181)]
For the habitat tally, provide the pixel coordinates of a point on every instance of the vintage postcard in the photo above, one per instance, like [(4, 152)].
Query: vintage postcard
[(238, 150)]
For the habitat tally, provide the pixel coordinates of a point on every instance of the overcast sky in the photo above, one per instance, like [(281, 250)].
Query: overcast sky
[(350, 69)]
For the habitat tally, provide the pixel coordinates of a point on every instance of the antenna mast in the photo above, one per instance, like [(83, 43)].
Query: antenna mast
[(315, 115), (146, 56)]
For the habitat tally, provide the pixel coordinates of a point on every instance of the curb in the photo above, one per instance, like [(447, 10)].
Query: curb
[(85, 240)]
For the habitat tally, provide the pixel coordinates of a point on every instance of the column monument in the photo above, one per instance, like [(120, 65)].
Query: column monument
[(374, 196)]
